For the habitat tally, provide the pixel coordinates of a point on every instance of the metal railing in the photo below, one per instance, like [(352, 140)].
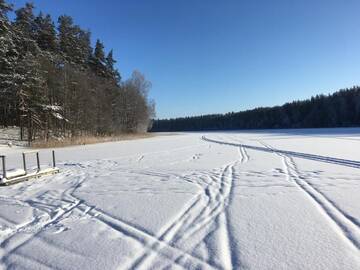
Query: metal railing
[(24, 159), (3, 162)]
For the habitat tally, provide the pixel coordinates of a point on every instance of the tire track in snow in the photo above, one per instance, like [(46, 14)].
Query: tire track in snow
[(198, 219), (209, 205), (9, 245), (218, 201), (147, 240), (325, 159), (244, 155), (187, 224), (45, 217), (232, 245), (229, 247), (345, 226), (35, 227), (225, 241), (144, 238), (69, 202)]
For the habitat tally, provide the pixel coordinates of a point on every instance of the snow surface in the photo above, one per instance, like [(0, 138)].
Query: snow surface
[(281, 199), (10, 135)]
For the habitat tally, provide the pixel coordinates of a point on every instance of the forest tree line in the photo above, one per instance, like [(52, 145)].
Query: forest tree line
[(341, 109), (53, 83)]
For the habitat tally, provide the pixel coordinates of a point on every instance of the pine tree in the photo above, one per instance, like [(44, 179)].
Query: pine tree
[(25, 20), (110, 61), (110, 64), (8, 61), (25, 31), (84, 49), (98, 60), (46, 33), (99, 51), (31, 94), (74, 42), (67, 41)]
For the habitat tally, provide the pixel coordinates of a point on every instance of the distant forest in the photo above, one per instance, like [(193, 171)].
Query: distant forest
[(53, 83), (341, 109)]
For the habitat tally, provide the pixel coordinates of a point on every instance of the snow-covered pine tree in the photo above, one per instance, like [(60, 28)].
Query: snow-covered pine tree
[(74, 43), (25, 21), (8, 60), (45, 33), (67, 38), (32, 94), (55, 83)]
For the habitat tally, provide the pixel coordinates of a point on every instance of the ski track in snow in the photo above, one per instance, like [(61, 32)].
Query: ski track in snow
[(346, 226), (71, 203), (41, 222), (205, 214), (332, 160), (208, 207), (203, 221), (45, 217)]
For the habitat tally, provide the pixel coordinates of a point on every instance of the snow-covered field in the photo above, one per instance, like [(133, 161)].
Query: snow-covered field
[(231, 200)]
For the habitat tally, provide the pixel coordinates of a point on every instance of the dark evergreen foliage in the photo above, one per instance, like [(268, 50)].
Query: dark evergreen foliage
[(53, 84), (25, 21), (46, 33), (341, 109)]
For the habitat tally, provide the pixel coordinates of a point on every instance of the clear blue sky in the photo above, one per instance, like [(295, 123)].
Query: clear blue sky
[(207, 56)]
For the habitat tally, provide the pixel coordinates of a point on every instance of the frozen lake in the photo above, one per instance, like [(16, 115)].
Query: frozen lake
[(281, 199)]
